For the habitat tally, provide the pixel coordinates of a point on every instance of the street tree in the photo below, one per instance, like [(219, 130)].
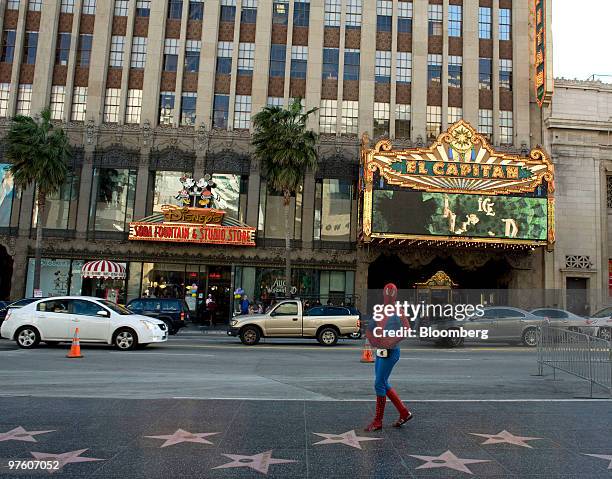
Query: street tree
[(286, 149), (39, 152)]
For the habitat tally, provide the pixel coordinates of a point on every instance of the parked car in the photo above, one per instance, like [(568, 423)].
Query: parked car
[(288, 320), (602, 320), (13, 305), (54, 320), (563, 318), (173, 312)]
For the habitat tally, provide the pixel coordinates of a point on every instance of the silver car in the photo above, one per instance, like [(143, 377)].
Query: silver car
[(602, 321), (565, 319)]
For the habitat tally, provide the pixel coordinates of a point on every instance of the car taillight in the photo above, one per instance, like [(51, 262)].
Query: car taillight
[(359, 323), (182, 316), (8, 315)]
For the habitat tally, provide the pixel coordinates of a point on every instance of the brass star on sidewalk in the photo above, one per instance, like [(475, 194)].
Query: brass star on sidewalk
[(603, 456), (448, 460), (505, 437), (64, 458), (259, 462), (349, 438), (184, 436), (20, 434)]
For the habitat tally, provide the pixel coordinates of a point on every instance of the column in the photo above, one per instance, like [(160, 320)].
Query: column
[(142, 185), (98, 66), (420, 40), (470, 62), (208, 62), (308, 201), (521, 66), (153, 67), (366, 68), (85, 185), (74, 40), (18, 55), (45, 56), (444, 77), (315, 60), (495, 71)]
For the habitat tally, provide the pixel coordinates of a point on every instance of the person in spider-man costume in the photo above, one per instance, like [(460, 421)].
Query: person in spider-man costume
[(387, 356)]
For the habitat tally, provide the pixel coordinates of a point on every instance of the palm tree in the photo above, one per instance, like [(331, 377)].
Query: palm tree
[(286, 150), (39, 153)]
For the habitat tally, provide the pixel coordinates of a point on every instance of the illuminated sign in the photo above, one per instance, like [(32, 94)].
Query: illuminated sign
[(192, 215), (186, 233), (543, 86)]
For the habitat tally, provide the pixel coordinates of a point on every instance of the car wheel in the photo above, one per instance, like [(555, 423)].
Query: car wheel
[(605, 333), (453, 342), (125, 339), (530, 337), (27, 337), (250, 335), (327, 336), (171, 330)]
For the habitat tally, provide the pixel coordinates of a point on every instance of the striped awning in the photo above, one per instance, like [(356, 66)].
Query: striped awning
[(103, 269)]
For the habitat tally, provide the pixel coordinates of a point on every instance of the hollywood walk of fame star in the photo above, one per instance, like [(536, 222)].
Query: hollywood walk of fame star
[(349, 438), (505, 437), (259, 462), (20, 434), (448, 460), (603, 456), (64, 458), (184, 436)]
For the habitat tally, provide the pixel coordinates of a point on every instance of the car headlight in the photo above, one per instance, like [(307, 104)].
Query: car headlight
[(148, 324), (233, 322)]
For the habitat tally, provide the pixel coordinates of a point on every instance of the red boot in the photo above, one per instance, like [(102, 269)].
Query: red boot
[(405, 414), (376, 424)]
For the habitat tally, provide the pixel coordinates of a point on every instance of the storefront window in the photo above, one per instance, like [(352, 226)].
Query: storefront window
[(333, 200), (54, 277), (274, 218), (167, 185), (337, 287), (113, 203), (134, 281), (76, 278), (163, 280), (231, 191), (6, 194), (58, 205)]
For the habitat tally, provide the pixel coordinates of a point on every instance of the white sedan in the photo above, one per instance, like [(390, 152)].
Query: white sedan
[(55, 319)]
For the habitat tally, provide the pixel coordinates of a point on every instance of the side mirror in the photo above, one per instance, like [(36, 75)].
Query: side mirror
[(103, 313), (272, 313)]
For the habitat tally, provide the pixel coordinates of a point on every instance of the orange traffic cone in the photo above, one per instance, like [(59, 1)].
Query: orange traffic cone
[(75, 349), (366, 353)]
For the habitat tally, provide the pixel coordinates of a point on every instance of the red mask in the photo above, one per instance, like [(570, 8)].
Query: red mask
[(390, 293)]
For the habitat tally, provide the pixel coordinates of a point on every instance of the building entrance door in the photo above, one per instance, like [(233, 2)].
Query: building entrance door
[(576, 295), (220, 287)]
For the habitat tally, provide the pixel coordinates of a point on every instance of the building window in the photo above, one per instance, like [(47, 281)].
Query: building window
[(327, 116), (434, 121), (220, 111), (166, 108), (196, 9), (402, 121), (350, 117), (139, 52), (165, 186), (7, 191), (434, 16), (330, 63), (403, 72), (246, 58), (56, 104), (277, 101), (175, 9), (121, 8), (24, 99), (299, 61), (63, 48), (333, 202), (404, 17), (67, 6), (112, 100), (485, 123), (35, 5), (455, 13), (301, 14), (188, 109), (382, 68), (332, 13), (485, 71), (192, 55), (224, 58), (79, 103), (384, 15), (505, 24), (58, 204), (249, 11), (609, 190), (505, 74), (12, 5), (434, 69), (485, 23), (116, 52), (351, 64), (280, 13), (228, 11), (84, 50), (506, 128), (242, 112), (454, 114), (114, 191), (89, 7), (455, 70), (143, 8), (272, 223), (353, 14), (5, 90), (133, 107), (232, 191), (171, 50), (8, 46), (381, 119), (30, 46)]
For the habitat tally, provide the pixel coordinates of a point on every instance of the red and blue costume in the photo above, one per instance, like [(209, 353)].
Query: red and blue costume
[(384, 365)]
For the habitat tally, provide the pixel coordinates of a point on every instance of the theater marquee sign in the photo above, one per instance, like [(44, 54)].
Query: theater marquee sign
[(458, 190)]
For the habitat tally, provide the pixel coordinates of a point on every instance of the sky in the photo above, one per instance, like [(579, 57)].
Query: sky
[(581, 38)]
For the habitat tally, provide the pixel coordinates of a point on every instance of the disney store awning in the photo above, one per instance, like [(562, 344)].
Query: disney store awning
[(103, 269)]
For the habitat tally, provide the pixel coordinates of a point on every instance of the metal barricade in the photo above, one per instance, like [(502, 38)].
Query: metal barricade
[(582, 355)]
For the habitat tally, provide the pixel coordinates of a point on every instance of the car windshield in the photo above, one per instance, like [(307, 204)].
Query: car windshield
[(116, 308)]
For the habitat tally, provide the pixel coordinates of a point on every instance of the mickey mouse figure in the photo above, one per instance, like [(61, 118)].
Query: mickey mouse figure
[(205, 186)]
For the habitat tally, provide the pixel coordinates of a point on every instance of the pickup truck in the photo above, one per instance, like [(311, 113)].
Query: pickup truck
[(288, 319)]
